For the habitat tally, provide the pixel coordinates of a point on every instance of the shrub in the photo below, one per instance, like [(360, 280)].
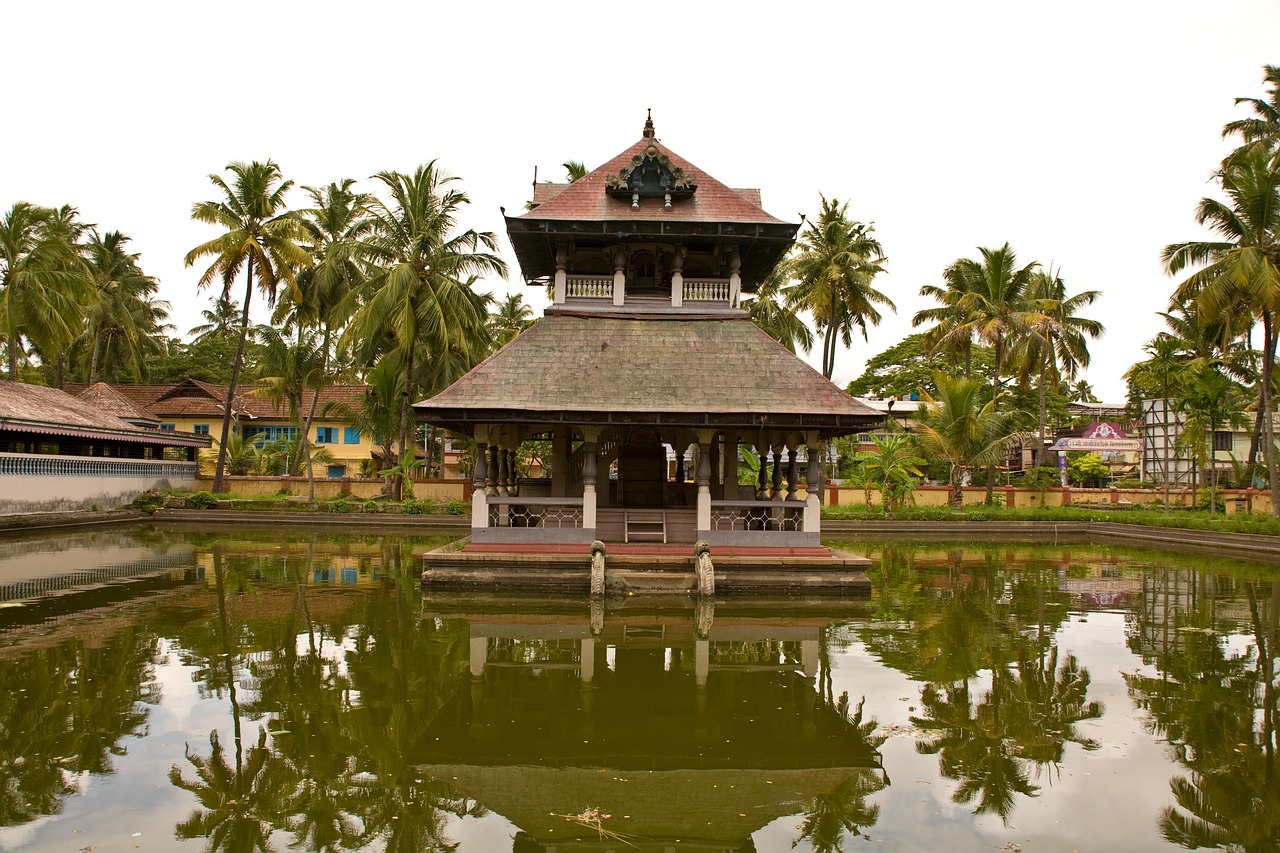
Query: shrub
[(415, 507), (148, 501), (202, 500), (456, 508), (371, 507), (339, 504)]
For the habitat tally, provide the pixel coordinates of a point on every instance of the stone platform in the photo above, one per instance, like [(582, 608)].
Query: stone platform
[(644, 568)]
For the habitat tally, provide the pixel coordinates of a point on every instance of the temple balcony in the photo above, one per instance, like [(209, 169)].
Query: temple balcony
[(603, 293)]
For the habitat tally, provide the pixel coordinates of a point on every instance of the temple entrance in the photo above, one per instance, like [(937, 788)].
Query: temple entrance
[(642, 470)]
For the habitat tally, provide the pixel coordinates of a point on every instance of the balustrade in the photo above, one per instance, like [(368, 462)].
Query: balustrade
[(535, 512), (21, 464), (589, 287), (757, 515), (706, 290)]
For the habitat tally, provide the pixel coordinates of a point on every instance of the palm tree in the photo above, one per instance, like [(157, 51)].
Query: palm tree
[(43, 282), (836, 261), (574, 170), (378, 413), (951, 332), (124, 320), (333, 228), (963, 430), (1055, 347), (1246, 261), (1262, 130), (1082, 392), (288, 368), (512, 317), (893, 464), (260, 236), (220, 321), (1162, 375), (1211, 399), (770, 310), (418, 296)]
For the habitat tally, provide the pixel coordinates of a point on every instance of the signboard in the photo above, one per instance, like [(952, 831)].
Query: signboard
[(1105, 437)]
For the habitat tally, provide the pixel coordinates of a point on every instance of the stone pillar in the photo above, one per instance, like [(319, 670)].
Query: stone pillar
[(777, 494), (704, 485), (813, 498), (793, 474), (677, 277), (491, 478), (502, 473), (717, 468), (587, 660), (562, 274), (701, 661), (479, 490), (735, 278), (479, 655), (809, 658), (589, 484), (513, 474), (619, 276), (680, 466)]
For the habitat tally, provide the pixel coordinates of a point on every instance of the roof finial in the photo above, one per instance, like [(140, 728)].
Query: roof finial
[(648, 125)]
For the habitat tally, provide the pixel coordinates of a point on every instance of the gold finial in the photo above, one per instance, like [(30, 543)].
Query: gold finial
[(648, 125)]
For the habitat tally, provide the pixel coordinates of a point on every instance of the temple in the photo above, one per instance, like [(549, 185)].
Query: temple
[(646, 376)]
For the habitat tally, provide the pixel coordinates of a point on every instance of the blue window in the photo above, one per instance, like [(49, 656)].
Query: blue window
[(350, 435), (168, 428), (336, 471), (270, 433), (350, 576), (326, 435), (200, 429)]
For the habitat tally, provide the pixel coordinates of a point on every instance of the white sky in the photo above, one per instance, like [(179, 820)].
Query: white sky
[(1082, 133)]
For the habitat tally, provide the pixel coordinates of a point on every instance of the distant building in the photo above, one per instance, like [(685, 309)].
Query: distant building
[(60, 453)]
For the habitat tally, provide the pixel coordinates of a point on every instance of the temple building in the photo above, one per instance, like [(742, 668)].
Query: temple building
[(646, 375)]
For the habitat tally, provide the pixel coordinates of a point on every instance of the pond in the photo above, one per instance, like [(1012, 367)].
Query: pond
[(180, 691)]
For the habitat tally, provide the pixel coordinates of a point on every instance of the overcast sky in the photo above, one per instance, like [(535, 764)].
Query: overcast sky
[(1083, 133)]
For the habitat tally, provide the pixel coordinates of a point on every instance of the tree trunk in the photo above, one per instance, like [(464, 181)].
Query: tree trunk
[(995, 405), (406, 452), (957, 490), (97, 354), (220, 469), (1044, 416)]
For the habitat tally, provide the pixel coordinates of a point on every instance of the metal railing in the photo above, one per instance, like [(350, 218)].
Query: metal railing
[(757, 515), (21, 464), (534, 512)]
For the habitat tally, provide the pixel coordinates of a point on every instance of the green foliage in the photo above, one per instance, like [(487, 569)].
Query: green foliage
[(148, 501), (339, 504), (202, 500), (1186, 519), (372, 508), (457, 508), (1042, 477), (894, 467), (1087, 469), (415, 507), (908, 368)]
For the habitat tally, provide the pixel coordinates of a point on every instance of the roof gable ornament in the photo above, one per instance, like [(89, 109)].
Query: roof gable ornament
[(650, 175)]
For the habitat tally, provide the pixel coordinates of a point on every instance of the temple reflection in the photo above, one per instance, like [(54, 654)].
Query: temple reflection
[(691, 730)]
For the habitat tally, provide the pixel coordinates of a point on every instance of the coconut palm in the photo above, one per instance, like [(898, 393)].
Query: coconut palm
[(1244, 263), (1161, 375), (220, 321), (951, 333), (43, 282), (961, 428), (894, 466), (771, 311), (288, 368), (511, 318), (261, 237), (124, 320), (836, 261), (1262, 130), (378, 413), (418, 297), (1055, 346)]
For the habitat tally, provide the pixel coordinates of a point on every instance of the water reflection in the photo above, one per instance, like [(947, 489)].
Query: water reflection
[(685, 737), (336, 708)]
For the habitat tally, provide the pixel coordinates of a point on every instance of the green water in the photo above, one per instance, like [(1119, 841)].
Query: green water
[(272, 692)]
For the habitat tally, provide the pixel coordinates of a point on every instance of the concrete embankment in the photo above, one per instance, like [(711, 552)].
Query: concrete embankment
[(1243, 546)]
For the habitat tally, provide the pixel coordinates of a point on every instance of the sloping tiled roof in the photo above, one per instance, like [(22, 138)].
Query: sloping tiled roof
[(586, 199), (108, 399), (573, 364), (195, 399), (34, 408)]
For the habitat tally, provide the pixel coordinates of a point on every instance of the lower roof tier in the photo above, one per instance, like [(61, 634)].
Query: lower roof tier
[(690, 371)]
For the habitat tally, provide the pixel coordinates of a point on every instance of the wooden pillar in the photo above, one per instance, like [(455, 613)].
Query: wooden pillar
[(502, 473), (762, 484), (729, 490), (777, 494), (491, 477), (717, 468), (513, 474), (735, 277), (793, 474), (561, 450)]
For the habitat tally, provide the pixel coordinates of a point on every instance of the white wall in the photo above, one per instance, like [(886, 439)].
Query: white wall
[(31, 484)]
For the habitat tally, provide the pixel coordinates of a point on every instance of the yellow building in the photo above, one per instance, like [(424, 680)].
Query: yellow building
[(196, 407)]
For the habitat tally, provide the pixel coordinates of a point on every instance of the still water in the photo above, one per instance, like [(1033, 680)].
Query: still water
[(168, 691)]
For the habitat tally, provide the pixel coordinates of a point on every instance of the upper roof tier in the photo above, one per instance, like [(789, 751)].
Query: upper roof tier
[(648, 193)]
